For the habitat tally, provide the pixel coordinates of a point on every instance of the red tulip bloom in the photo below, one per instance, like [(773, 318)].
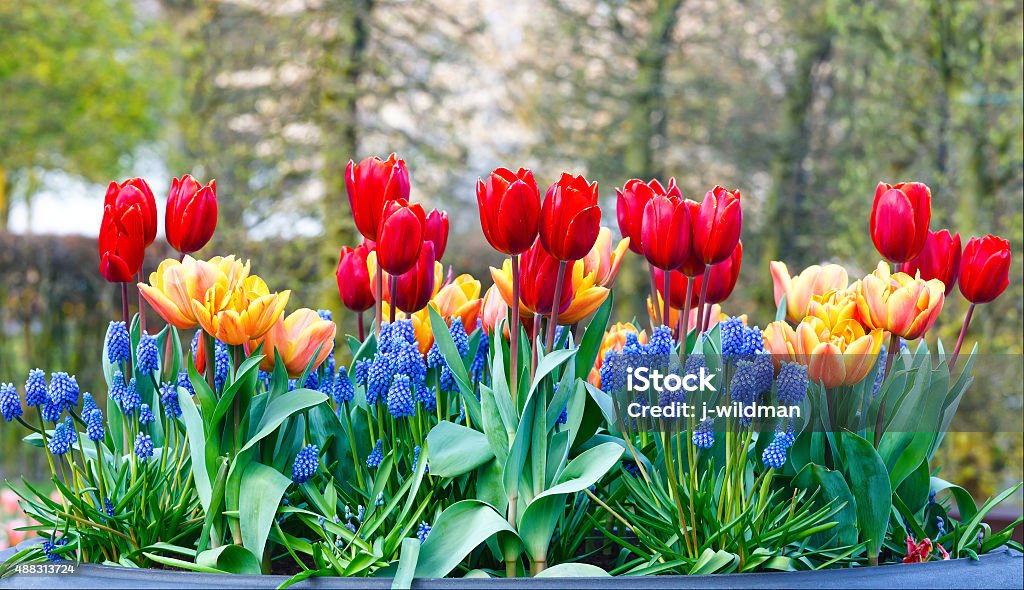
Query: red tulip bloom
[(436, 232), (666, 232), (985, 268), (354, 279), (414, 288), (509, 209), (371, 184), (939, 259), (692, 265), (677, 288), (191, 214), (134, 191), (630, 203), (539, 272), (401, 235), (570, 218), (717, 229), (122, 243), (899, 220), (721, 284)]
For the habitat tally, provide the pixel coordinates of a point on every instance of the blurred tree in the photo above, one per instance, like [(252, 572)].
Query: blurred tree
[(79, 91)]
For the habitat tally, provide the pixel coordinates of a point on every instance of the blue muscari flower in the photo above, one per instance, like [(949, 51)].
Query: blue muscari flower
[(361, 371), (774, 456), (694, 363), (147, 354), (221, 363), (50, 412), (108, 506), (146, 415), (326, 384), (63, 390), (462, 415), (423, 531), (416, 460), (447, 379), (50, 546), (739, 340), (119, 345), (479, 366), (184, 381), (661, 341), (64, 436), (791, 384), (632, 345), (10, 402), (940, 526), (745, 384), (264, 378), (118, 387), (312, 381), (631, 468), (143, 447), (459, 336), (380, 500), (704, 434), (169, 400), (343, 391), (325, 314), (94, 425), (376, 455), (306, 464), (613, 371), (35, 388), (292, 384), (378, 379), (564, 416), (88, 403), (400, 401), (329, 364), (764, 369), (131, 400), (434, 357), (408, 360), (426, 396)]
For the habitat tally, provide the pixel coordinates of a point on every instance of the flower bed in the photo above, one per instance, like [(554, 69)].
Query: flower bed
[(512, 435)]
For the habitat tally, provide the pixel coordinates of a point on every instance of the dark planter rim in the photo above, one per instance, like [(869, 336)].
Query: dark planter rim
[(1003, 568)]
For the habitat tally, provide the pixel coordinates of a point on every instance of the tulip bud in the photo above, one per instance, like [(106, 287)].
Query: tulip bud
[(899, 219), (122, 243), (414, 288), (354, 279), (400, 236), (509, 209), (134, 191), (370, 185), (630, 203), (939, 259), (436, 231), (570, 218), (985, 268), (191, 215), (717, 229)]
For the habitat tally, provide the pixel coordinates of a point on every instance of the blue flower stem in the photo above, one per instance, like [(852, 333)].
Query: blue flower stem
[(46, 444)]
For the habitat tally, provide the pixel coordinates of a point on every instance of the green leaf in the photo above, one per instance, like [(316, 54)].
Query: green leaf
[(231, 559), (903, 453), (714, 562), (407, 564), (590, 345), (455, 449), (833, 486), (197, 447), (573, 570), (457, 531), (869, 481), (263, 488), (443, 339), (780, 311), (280, 409), (964, 501)]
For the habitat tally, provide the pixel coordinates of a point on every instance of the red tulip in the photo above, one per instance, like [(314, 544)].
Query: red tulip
[(666, 232), (692, 265), (436, 231), (539, 271), (630, 203), (509, 209), (371, 184), (985, 268), (939, 259), (717, 229), (400, 236), (570, 218), (413, 289), (191, 214), (899, 220), (720, 286), (122, 243), (354, 279), (134, 191)]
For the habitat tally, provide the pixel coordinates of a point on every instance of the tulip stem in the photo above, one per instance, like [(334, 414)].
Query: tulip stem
[(394, 291), (684, 319), (699, 326), (533, 347), (555, 304), (126, 316), (960, 340), (211, 362), (666, 314), (379, 296), (513, 332), (142, 306), (362, 328), (654, 296), (890, 360)]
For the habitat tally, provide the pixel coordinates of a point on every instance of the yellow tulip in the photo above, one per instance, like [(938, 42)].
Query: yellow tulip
[(814, 280), (899, 303), (460, 298), (174, 286), (839, 353), (603, 261), (250, 312), (297, 338)]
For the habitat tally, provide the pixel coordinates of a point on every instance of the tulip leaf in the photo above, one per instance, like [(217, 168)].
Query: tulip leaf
[(196, 433), (231, 559), (282, 408), (493, 424), (457, 531), (573, 570), (869, 480), (443, 339), (407, 564), (590, 345), (455, 449), (835, 488), (780, 310), (264, 487)]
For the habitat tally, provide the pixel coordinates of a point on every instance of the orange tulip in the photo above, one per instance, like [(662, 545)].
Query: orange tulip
[(460, 298), (494, 309), (174, 286), (297, 338), (840, 353), (250, 312), (603, 260), (899, 303), (798, 290)]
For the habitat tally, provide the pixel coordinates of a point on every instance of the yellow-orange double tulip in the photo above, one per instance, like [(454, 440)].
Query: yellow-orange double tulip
[(835, 349), (297, 338), (814, 280), (175, 286), (899, 303), (461, 299), (251, 310)]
